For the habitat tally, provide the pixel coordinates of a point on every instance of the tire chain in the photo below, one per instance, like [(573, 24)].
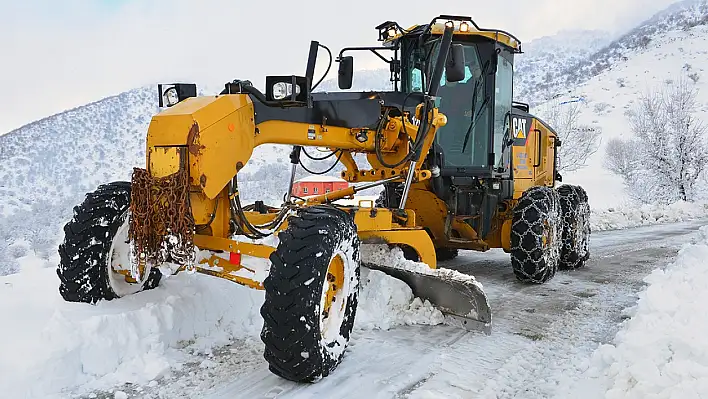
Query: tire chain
[(528, 266), (160, 209), (576, 224)]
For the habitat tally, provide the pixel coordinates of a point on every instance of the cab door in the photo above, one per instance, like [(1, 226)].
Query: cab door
[(542, 146)]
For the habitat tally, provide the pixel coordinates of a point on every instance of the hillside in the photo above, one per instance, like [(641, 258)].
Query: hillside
[(608, 96), (46, 167), (546, 58), (682, 15)]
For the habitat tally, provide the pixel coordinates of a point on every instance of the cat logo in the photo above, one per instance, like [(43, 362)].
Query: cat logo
[(519, 126)]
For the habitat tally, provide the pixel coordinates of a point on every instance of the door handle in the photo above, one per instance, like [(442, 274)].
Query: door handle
[(537, 161)]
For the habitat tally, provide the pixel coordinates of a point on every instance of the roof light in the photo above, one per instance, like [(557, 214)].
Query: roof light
[(392, 31), (464, 27), (449, 24)]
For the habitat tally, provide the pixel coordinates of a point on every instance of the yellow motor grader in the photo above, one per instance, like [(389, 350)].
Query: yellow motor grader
[(462, 167)]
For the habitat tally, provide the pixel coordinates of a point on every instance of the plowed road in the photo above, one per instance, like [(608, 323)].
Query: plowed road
[(541, 334)]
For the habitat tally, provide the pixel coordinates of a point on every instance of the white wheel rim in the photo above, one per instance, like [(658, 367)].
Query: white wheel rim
[(330, 327), (119, 258)]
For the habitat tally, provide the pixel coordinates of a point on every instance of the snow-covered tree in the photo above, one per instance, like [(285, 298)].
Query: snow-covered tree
[(669, 149), (621, 158), (579, 141)]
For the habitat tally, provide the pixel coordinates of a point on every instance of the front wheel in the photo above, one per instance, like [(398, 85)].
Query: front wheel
[(95, 255), (311, 294)]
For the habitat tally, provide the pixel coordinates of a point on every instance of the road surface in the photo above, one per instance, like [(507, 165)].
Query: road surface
[(542, 335)]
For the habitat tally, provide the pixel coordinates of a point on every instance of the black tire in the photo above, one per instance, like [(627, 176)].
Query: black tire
[(576, 227), (536, 234), (297, 346), (84, 272), (443, 254)]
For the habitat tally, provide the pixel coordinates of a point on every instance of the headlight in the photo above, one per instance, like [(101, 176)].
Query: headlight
[(283, 90), (171, 96)]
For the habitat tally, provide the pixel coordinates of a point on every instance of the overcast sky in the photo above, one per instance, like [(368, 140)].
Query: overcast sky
[(56, 55)]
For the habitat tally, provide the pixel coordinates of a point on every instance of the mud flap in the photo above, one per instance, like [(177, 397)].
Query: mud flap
[(458, 296)]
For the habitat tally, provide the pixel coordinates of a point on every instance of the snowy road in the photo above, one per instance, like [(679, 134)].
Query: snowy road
[(542, 334)]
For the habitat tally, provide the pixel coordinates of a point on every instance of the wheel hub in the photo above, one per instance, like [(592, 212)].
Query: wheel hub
[(334, 300)]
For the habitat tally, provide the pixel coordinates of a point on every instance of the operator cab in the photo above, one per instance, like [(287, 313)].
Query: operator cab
[(476, 140)]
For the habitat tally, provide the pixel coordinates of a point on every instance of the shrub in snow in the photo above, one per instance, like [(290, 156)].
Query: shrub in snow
[(579, 141), (8, 262)]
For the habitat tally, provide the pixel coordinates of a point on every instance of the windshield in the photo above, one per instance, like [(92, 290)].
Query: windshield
[(502, 109), (464, 144), (465, 137)]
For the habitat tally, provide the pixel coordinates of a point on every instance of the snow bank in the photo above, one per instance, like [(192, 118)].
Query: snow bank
[(49, 347), (662, 351), (628, 217), (54, 345)]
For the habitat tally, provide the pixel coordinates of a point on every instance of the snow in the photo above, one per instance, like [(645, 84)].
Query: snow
[(386, 302), (608, 95), (54, 348), (661, 352), (56, 345), (143, 338), (644, 215)]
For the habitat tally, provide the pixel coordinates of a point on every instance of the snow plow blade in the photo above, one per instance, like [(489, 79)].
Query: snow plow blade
[(458, 296)]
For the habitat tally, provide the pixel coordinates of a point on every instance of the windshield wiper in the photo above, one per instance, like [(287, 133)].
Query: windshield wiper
[(507, 141), (473, 122)]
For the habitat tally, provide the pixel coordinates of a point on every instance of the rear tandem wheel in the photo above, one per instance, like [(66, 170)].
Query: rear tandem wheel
[(536, 235)]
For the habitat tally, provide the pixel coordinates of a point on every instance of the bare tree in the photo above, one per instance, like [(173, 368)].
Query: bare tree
[(669, 151), (621, 158), (579, 141)]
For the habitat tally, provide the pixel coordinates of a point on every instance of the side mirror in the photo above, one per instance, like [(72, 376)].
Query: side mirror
[(455, 65), (346, 72)]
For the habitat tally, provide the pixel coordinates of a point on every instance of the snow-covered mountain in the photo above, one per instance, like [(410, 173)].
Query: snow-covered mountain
[(682, 15), (607, 97), (46, 167), (546, 58)]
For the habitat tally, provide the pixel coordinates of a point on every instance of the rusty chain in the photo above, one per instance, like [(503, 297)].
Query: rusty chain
[(161, 223)]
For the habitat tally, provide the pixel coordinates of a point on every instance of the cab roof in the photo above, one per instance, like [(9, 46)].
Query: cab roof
[(390, 32)]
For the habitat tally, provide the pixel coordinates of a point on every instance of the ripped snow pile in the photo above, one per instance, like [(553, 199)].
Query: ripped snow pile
[(386, 302), (628, 217), (53, 345), (662, 351), (50, 347)]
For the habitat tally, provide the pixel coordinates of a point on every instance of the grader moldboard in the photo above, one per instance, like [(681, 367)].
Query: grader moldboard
[(462, 165)]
